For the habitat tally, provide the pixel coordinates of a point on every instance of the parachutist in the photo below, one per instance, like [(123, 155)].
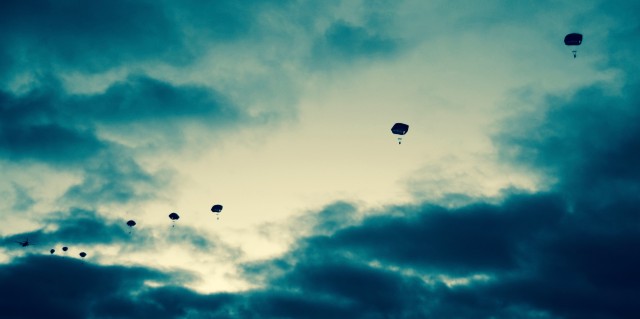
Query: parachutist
[(400, 129), (131, 223), (217, 208), (174, 216), (573, 39)]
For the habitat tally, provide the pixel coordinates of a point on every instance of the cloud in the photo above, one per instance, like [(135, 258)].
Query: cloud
[(96, 37), (117, 180), (102, 134), (528, 257), (31, 128), (51, 286), (349, 42)]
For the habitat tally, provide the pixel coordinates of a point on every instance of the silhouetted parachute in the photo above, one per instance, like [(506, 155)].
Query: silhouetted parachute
[(573, 39), (52, 251), (174, 216), (217, 208), (131, 223), (65, 248), (83, 254), (400, 129)]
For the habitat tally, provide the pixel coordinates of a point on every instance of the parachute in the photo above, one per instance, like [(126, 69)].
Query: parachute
[(83, 254), (400, 129), (65, 248), (52, 251), (174, 216), (131, 223), (573, 39), (217, 208)]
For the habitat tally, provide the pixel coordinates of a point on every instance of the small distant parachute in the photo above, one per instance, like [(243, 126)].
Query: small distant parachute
[(65, 248), (217, 208), (400, 129), (83, 254), (573, 39), (174, 216), (52, 251), (131, 223)]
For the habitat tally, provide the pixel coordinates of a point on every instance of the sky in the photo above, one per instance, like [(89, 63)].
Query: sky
[(513, 195)]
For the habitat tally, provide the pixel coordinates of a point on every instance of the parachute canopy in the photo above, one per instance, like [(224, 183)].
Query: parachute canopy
[(573, 39), (216, 208), (131, 223), (400, 129), (83, 254), (174, 216)]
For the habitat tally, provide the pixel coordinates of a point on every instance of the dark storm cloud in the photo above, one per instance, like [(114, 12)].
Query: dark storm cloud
[(142, 99), (535, 259), (58, 287), (558, 273), (476, 238), (100, 35), (54, 36), (72, 288), (32, 128), (48, 125)]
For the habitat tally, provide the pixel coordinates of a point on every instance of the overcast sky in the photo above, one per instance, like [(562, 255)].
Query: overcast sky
[(514, 194)]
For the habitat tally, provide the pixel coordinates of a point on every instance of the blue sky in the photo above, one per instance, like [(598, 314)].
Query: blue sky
[(514, 194)]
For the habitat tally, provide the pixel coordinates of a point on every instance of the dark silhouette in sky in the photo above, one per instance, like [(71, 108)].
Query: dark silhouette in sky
[(217, 209), (131, 223), (573, 39), (174, 216), (24, 243), (400, 129)]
